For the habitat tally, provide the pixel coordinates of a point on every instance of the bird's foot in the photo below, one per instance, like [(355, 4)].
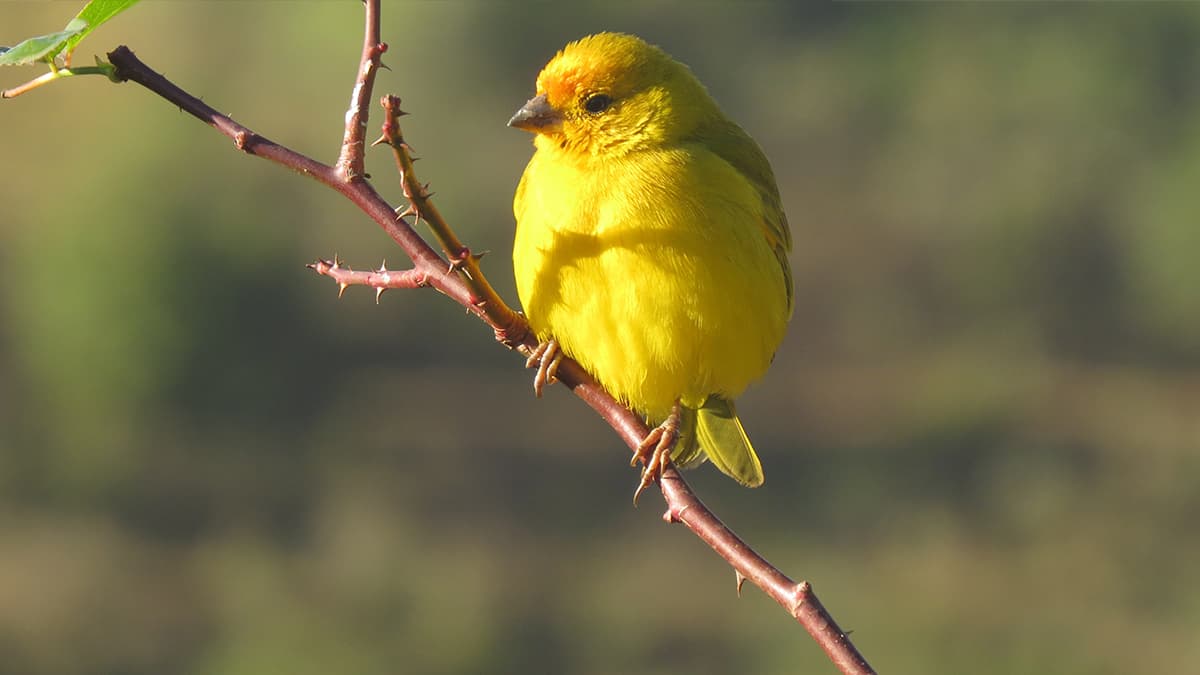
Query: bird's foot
[(546, 358), (654, 452)]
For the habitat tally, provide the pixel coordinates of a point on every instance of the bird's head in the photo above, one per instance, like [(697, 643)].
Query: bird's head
[(610, 93)]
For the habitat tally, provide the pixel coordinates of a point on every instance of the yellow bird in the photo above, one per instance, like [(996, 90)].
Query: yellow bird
[(651, 246)]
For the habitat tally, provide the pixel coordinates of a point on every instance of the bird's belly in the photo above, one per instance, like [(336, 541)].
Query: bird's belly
[(654, 316)]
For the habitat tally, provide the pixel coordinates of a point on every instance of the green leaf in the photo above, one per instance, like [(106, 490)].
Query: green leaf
[(95, 13), (43, 47)]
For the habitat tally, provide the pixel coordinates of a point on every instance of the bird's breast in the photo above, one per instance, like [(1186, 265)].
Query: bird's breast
[(651, 272)]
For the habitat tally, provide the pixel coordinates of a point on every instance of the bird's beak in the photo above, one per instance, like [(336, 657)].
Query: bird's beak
[(538, 116)]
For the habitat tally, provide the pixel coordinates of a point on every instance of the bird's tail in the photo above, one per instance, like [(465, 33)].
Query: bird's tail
[(713, 431)]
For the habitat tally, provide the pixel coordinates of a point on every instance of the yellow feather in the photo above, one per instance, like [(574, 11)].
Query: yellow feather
[(650, 239)]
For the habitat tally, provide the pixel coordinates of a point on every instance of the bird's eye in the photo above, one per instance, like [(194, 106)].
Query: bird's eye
[(597, 103)]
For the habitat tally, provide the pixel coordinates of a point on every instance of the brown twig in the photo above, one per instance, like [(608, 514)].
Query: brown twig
[(360, 192), (421, 207), (381, 279), (349, 164), (510, 328), (683, 506)]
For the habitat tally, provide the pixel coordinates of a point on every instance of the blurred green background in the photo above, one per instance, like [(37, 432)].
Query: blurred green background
[(982, 436)]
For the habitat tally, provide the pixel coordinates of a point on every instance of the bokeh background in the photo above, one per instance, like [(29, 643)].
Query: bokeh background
[(982, 436)]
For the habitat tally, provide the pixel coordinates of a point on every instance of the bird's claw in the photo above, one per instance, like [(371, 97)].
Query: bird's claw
[(546, 358), (655, 452)]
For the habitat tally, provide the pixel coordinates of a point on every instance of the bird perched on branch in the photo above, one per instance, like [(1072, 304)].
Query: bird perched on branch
[(651, 247)]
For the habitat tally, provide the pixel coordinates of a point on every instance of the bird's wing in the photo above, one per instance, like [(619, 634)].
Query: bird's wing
[(736, 147)]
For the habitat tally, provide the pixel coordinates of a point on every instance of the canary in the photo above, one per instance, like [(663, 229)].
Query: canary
[(651, 245)]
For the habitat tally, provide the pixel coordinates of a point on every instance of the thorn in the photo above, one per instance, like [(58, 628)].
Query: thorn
[(457, 261), (380, 141), (741, 579), (384, 65), (383, 267), (672, 516), (799, 595), (378, 292), (412, 209), (342, 286)]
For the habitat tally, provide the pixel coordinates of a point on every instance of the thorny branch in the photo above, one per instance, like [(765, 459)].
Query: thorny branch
[(381, 279), (472, 291), (350, 158), (421, 207)]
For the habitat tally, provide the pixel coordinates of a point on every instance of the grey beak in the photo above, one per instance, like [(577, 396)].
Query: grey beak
[(537, 115)]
